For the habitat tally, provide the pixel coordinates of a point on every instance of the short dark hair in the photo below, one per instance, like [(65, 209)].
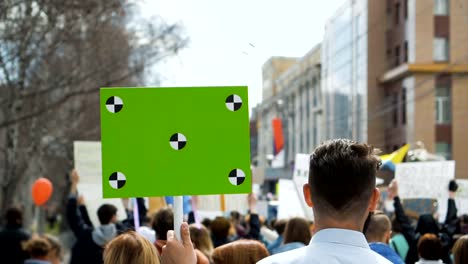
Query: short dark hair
[(206, 222), (105, 213), (464, 218), (14, 216), (163, 221), (297, 230), (342, 176), (430, 247), (235, 215), (280, 225), (378, 226)]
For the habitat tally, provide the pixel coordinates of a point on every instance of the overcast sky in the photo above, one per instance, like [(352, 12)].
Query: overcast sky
[(221, 32)]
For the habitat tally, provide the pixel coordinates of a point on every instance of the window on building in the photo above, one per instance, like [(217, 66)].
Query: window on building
[(397, 13), (405, 6), (443, 105), (403, 106), (406, 52), (395, 109), (397, 56), (441, 7), (441, 49), (444, 149)]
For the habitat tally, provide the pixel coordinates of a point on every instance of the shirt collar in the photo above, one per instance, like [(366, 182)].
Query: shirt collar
[(340, 236)]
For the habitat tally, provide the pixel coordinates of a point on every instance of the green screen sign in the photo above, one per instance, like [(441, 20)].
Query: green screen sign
[(175, 141)]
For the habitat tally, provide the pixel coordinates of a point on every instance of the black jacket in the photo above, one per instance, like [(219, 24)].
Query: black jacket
[(11, 238), (426, 224), (85, 249)]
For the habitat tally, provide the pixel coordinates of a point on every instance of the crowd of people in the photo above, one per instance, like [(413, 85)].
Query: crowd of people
[(347, 227)]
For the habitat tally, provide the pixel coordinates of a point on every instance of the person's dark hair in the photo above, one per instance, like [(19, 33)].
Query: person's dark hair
[(14, 216), (430, 247), (163, 221), (379, 225), (297, 230), (464, 218), (280, 225), (460, 250), (105, 213), (349, 167), (220, 228), (207, 223), (235, 215)]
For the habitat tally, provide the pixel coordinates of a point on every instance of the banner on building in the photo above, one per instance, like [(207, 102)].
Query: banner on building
[(278, 144)]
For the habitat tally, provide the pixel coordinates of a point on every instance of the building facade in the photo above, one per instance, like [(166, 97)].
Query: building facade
[(426, 80), (344, 72), (396, 72), (293, 95)]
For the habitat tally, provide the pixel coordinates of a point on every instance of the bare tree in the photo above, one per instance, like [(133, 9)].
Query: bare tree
[(54, 57)]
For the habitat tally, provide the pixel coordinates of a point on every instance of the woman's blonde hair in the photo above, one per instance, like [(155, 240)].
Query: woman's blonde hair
[(201, 239), (130, 247), (241, 251), (37, 247)]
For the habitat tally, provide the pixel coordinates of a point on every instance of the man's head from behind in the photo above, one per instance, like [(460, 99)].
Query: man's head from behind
[(14, 216), (379, 228), (342, 181), (107, 214), (163, 221)]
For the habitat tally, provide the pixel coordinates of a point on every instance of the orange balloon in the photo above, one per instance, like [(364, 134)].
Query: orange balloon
[(41, 191)]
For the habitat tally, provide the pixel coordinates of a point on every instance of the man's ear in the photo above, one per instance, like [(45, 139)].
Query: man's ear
[(374, 200), (388, 237), (307, 195)]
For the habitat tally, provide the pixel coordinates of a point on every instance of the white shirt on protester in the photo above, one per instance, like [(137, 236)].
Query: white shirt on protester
[(331, 246)]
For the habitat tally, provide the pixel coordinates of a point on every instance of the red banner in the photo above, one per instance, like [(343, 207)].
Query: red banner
[(278, 138)]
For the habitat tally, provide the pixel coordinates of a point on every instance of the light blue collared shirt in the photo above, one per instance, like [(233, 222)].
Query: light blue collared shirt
[(331, 246)]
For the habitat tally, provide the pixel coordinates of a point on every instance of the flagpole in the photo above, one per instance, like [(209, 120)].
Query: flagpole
[(223, 203), (178, 215)]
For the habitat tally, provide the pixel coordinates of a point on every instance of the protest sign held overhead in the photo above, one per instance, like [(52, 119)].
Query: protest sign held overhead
[(87, 158), (175, 141), (424, 179), (301, 177)]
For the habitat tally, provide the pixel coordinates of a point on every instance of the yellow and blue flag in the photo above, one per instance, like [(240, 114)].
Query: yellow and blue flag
[(390, 160)]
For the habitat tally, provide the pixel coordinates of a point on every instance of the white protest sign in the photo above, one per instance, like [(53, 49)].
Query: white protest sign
[(233, 202), (462, 197), (289, 204), (426, 180), (88, 164), (301, 177)]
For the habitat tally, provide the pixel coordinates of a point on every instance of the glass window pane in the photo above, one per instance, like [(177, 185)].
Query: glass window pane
[(444, 149), (446, 111), (441, 7), (442, 91), (440, 49)]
